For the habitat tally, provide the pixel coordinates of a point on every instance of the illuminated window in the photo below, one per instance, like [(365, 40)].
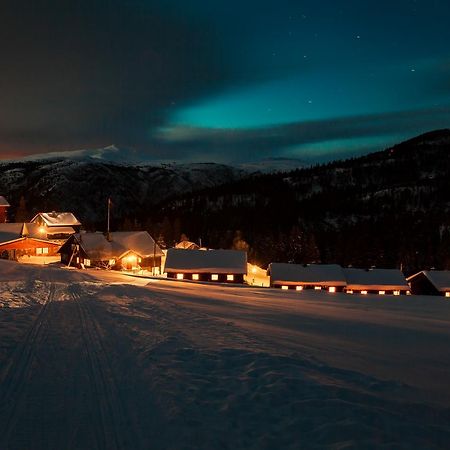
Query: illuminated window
[(299, 288), (39, 251), (195, 276), (396, 292), (408, 292), (139, 259), (230, 277), (214, 277), (447, 294), (318, 288), (87, 262), (364, 292), (381, 292), (112, 262), (180, 276), (331, 289), (45, 251), (285, 288), (349, 291)]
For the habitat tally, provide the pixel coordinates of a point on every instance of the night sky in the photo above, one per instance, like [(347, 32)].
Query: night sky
[(222, 80)]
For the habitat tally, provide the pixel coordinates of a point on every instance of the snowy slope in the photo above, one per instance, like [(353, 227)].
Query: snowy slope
[(109, 362)]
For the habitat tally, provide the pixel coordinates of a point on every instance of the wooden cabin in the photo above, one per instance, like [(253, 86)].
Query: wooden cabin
[(18, 240), (329, 277), (4, 205), (57, 225), (376, 281), (430, 282), (121, 250), (219, 266)]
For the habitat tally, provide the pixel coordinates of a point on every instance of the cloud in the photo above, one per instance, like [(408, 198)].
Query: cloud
[(254, 143)]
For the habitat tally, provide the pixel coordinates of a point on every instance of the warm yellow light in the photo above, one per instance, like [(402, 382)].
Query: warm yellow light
[(364, 292), (349, 291), (396, 292), (195, 276), (299, 288), (447, 294), (331, 289), (381, 292), (408, 292), (42, 230), (318, 288), (130, 259), (285, 288), (214, 277), (230, 277), (180, 276), (254, 269)]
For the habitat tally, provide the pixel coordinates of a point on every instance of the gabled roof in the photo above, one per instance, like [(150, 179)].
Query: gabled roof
[(98, 247), (440, 279), (187, 245), (375, 279), (206, 261), (323, 274), (58, 219), (10, 231), (139, 242), (3, 201)]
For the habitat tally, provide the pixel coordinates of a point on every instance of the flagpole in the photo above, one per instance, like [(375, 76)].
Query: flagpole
[(109, 207)]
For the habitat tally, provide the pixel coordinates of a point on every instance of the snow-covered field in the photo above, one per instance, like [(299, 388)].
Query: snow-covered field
[(98, 360)]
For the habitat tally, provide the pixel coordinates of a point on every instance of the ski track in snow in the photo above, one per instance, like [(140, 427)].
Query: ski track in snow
[(95, 360)]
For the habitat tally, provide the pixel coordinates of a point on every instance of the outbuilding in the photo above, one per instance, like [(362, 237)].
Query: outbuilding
[(120, 250), (286, 276), (376, 281), (430, 282), (223, 266)]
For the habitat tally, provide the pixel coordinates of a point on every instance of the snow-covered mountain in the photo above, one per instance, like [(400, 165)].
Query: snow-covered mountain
[(82, 183)]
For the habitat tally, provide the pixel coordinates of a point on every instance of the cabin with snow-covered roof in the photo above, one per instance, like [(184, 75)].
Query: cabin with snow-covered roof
[(430, 282), (120, 250), (4, 205), (18, 240), (57, 225), (222, 266), (307, 276), (375, 281)]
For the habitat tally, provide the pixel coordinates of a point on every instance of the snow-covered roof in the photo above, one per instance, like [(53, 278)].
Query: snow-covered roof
[(3, 201), (187, 245), (375, 279), (10, 232), (60, 230), (206, 261), (58, 219), (440, 279), (139, 242), (323, 274), (98, 247)]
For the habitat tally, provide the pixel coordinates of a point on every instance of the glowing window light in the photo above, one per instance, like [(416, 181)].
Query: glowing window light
[(408, 292), (195, 276), (285, 288), (41, 230), (214, 277), (180, 276), (447, 294), (299, 288), (396, 292), (331, 289), (318, 288), (364, 292), (230, 277), (349, 291), (381, 292)]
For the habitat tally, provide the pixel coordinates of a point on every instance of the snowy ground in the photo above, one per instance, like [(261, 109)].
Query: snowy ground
[(98, 360)]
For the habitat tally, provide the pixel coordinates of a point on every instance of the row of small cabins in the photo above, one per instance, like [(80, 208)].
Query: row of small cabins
[(56, 233)]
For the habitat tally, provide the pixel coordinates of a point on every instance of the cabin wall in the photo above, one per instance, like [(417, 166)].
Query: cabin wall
[(3, 214), (222, 277)]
